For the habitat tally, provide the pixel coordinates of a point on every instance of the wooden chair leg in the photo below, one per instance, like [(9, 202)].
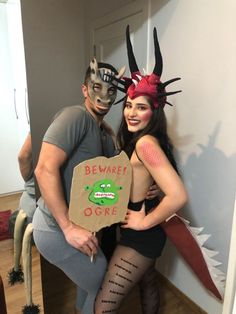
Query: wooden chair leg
[(30, 307), (15, 274), (3, 307)]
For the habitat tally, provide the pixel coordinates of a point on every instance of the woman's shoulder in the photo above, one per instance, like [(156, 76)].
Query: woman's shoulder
[(148, 146), (147, 140)]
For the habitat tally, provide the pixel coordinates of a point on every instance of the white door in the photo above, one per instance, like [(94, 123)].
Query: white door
[(13, 101), (109, 44)]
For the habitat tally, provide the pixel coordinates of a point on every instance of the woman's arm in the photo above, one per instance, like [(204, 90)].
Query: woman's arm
[(175, 196), (47, 172)]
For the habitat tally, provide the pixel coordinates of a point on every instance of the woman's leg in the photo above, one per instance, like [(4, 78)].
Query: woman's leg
[(76, 265), (149, 292), (125, 269)]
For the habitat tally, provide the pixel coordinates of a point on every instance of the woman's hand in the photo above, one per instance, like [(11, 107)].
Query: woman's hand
[(81, 239), (135, 219)]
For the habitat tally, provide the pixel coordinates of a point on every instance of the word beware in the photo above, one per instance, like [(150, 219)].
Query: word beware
[(102, 169)]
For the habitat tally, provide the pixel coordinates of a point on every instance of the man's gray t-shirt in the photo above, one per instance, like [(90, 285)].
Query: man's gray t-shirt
[(77, 133)]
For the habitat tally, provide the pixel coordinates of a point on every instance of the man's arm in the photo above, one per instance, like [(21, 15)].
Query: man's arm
[(154, 192), (25, 159), (47, 172), (109, 131)]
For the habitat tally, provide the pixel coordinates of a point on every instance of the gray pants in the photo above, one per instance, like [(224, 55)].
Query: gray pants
[(28, 204), (77, 266)]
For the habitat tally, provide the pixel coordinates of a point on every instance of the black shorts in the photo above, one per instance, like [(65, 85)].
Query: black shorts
[(150, 242)]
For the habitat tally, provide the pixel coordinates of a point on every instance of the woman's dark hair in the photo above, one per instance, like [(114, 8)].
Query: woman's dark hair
[(156, 127)]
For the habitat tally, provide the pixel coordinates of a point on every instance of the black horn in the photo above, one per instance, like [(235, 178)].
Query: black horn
[(158, 57), (164, 94), (132, 62), (170, 81)]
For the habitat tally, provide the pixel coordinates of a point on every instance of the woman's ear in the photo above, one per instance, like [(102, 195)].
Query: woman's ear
[(85, 91)]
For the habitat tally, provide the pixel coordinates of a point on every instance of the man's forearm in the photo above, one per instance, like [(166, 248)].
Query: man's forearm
[(52, 193), (26, 168)]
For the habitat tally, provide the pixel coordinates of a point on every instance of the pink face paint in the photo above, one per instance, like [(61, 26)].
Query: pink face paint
[(146, 116), (137, 114), (150, 154)]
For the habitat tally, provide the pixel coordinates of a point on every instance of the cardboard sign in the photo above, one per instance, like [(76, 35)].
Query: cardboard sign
[(100, 192)]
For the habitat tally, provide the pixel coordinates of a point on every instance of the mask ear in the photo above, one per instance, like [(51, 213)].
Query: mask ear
[(94, 68), (121, 72), (85, 91)]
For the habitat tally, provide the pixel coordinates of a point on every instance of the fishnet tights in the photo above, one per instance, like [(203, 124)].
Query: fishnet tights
[(125, 269), (149, 292)]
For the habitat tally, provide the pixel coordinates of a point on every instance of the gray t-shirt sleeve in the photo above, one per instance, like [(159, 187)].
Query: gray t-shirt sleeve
[(68, 129)]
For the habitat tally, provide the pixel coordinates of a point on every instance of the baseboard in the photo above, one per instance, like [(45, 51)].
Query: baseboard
[(180, 295), (15, 193)]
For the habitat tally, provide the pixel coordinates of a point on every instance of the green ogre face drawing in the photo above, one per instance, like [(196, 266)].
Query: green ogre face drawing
[(104, 192)]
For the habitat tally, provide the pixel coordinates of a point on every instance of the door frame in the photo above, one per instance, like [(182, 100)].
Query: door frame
[(126, 11), (229, 305)]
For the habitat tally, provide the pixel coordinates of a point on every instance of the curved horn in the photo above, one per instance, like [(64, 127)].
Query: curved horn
[(168, 103), (132, 62), (170, 81), (168, 93), (158, 57)]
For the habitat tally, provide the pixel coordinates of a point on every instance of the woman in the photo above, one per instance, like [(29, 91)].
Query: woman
[(143, 136)]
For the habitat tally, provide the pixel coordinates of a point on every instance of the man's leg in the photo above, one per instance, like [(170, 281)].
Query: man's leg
[(77, 266)]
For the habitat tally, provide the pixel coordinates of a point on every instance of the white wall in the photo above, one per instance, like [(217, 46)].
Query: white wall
[(198, 44)]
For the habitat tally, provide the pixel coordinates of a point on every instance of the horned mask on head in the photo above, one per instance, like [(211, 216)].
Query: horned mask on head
[(100, 87)]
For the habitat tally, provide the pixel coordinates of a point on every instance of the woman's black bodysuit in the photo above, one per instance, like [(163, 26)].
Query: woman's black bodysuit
[(150, 242)]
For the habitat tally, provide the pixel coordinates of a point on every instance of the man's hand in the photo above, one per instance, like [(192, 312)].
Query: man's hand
[(153, 192), (81, 239)]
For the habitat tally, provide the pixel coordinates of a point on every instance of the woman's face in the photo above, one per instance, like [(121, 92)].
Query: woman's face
[(137, 113)]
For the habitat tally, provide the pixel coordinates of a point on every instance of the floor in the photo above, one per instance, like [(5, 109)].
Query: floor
[(60, 295)]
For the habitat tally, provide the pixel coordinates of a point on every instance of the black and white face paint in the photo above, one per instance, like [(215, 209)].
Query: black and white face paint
[(100, 89)]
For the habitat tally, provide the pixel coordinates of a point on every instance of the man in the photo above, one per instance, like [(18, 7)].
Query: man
[(77, 134)]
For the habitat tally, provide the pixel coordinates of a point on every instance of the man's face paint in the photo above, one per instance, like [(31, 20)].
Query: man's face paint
[(101, 91)]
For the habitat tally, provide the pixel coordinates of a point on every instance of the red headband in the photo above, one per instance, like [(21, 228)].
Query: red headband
[(146, 85)]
